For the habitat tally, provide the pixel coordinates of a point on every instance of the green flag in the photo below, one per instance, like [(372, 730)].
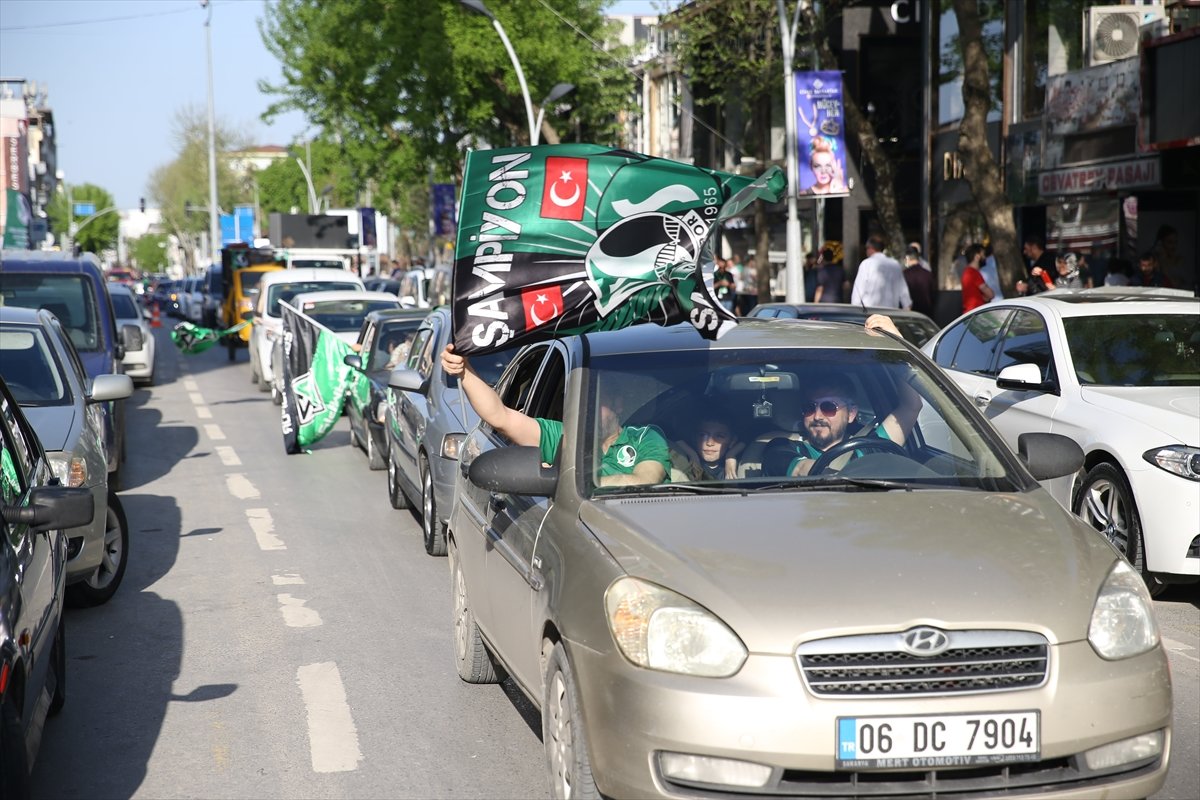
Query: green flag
[(193, 339), (315, 377)]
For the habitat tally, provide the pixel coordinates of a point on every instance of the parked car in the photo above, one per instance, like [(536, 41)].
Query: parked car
[(426, 422), (284, 284), (1118, 373), (925, 615), (33, 565), (914, 326), (74, 290), (383, 343), (138, 363), (45, 375)]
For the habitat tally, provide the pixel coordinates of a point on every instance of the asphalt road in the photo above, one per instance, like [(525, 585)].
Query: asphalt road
[(280, 632)]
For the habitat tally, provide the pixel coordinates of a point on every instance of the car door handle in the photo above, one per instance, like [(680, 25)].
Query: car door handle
[(982, 399), (496, 503)]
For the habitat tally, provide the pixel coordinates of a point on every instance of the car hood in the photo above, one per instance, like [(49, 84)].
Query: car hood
[(54, 425), (785, 567), (1173, 410)]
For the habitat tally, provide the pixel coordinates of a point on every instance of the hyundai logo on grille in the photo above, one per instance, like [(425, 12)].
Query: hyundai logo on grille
[(925, 641)]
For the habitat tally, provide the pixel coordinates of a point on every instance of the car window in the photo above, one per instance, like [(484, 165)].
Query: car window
[(124, 306), (979, 340), (393, 342), (343, 316), (1027, 342), (16, 456), (420, 344), (70, 297), (515, 390), (1135, 349), (30, 367), (284, 292)]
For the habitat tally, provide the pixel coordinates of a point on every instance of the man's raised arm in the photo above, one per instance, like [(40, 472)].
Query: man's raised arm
[(521, 429)]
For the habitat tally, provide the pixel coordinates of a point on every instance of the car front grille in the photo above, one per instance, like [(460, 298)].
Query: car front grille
[(882, 665)]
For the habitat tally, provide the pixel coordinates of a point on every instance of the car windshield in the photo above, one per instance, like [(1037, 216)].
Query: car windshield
[(30, 367), (392, 343), (124, 307), (71, 298), (286, 291), (250, 281), (342, 316), (772, 408), (1135, 349)]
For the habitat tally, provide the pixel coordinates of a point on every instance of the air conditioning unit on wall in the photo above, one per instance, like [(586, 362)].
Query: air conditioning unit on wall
[(1112, 32)]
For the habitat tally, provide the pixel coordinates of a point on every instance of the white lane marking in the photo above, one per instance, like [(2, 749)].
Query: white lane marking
[(228, 457), (190, 384), (332, 737), (295, 615), (240, 487), (286, 579), (196, 398), (1176, 649), (203, 412), (214, 432), (264, 529)]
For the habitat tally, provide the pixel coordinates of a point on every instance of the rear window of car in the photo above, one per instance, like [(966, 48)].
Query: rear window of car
[(341, 316), (70, 297), (286, 291), (124, 307), (31, 369)]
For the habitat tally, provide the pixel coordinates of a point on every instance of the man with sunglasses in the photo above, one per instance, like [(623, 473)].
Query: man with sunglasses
[(830, 410)]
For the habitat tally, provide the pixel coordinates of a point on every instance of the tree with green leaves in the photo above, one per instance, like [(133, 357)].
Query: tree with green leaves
[(95, 234), (149, 252)]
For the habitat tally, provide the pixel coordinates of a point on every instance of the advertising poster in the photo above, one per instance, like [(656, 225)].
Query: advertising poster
[(443, 209), (821, 134)]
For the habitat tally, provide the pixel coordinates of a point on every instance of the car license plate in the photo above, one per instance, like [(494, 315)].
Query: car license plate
[(937, 741)]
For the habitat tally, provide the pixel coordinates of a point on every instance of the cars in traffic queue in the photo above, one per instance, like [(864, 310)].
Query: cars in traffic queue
[(378, 284), (383, 344), (426, 420), (914, 326), (240, 294), (426, 287), (34, 511), (45, 375), (213, 293), (191, 299), (1118, 373), (915, 611), (138, 362), (74, 290)]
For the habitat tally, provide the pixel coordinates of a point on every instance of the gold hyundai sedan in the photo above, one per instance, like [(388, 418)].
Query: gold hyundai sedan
[(795, 562)]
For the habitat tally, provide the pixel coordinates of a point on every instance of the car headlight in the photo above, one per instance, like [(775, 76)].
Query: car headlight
[(451, 443), (1122, 623), (70, 470), (1178, 459), (660, 629)]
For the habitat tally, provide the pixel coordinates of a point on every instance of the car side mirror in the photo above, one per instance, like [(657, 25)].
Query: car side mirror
[(1049, 455), (1024, 378), (110, 387), (353, 360), (131, 337), (514, 470), (52, 508), (407, 380)]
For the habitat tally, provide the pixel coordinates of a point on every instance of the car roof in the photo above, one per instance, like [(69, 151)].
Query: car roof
[(25, 316), (344, 294), (299, 274), (47, 261), (845, 308), (1083, 304), (385, 314), (749, 333), (119, 288)]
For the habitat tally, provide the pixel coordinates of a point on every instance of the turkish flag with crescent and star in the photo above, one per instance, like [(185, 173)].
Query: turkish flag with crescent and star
[(541, 305), (565, 189)]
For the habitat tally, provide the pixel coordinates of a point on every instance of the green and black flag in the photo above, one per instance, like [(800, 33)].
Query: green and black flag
[(315, 379), (566, 239), (193, 339)]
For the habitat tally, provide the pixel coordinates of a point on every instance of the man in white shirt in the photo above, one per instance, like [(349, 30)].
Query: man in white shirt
[(880, 280)]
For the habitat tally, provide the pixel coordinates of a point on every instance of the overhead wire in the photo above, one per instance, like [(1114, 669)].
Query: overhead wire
[(73, 23)]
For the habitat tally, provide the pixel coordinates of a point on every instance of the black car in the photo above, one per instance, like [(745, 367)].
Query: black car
[(914, 326), (383, 345), (33, 575)]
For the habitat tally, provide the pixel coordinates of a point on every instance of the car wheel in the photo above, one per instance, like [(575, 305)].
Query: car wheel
[(1105, 502), (14, 767), (432, 530), (474, 661), (58, 663), (276, 395), (395, 493), (102, 584), (232, 348), (374, 456), (562, 730)]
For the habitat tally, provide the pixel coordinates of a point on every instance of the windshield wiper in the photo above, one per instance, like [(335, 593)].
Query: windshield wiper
[(836, 482), (675, 488)]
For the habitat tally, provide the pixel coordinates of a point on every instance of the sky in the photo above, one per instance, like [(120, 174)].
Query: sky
[(116, 72)]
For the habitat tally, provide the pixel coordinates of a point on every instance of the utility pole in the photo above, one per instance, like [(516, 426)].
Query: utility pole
[(214, 226), (794, 291)]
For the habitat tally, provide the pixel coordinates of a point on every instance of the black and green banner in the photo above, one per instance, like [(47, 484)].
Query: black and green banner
[(315, 379), (566, 239), (193, 339)]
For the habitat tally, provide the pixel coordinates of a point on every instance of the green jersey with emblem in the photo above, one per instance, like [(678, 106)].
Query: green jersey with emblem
[(633, 446)]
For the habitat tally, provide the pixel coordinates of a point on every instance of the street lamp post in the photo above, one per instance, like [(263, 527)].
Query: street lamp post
[(214, 227), (559, 91), (312, 192), (795, 280), (479, 8)]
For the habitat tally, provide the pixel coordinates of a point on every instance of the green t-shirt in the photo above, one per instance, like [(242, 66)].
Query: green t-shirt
[(633, 446), (806, 450)]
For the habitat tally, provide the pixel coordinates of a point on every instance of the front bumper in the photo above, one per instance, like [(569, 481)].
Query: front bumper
[(1169, 509), (765, 715), (91, 553)]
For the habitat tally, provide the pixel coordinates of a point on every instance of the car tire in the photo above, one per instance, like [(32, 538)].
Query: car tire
[(58, 665), (232, 349), (276, 395), (396, 494), (431, 530), (1105, 502), (474, 662), (374, 456), (14, 767), (102, 585), (567, 758)]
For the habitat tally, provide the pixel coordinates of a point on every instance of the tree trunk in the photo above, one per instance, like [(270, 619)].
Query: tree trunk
[(858, 126), (980, 168), (762, 228)]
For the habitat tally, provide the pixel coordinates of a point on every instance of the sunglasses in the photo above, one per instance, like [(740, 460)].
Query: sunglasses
[(827, 407)]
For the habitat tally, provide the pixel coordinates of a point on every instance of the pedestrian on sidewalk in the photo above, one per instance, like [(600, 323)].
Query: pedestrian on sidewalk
[(975, 291), (880, 279), (919, 280)]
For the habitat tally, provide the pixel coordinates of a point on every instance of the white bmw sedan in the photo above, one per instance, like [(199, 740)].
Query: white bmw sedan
[(1119, 374)]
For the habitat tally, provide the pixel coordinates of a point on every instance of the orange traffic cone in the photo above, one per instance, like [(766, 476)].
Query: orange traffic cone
[(155, 320)]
